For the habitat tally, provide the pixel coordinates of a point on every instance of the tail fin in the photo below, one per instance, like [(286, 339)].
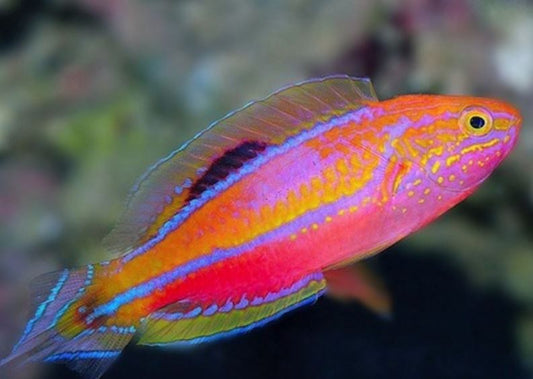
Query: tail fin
[(53, 335)]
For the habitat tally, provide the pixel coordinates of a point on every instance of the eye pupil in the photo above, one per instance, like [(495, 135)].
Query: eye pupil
[(477, 122)]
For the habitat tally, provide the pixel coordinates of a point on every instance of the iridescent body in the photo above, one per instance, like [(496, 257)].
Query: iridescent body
[(249, 219)]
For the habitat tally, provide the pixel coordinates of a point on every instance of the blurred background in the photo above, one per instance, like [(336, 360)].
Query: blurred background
[(92, 92)]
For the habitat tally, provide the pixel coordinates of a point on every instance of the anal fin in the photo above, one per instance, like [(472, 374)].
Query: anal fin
[(201, 324)]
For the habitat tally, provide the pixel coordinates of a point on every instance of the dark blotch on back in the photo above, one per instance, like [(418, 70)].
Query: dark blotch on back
[(231, 161)]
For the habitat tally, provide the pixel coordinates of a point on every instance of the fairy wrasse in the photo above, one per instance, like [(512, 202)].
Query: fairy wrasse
[(260, 211)]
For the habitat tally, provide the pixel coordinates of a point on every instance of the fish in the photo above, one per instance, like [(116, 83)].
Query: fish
[(263, 212)]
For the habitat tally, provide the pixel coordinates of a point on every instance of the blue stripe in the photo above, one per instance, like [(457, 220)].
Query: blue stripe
[(194, 313), (42, 307), (226, 307), (123, 329), (89, 277), (242, 304), (211, 310), (91, 354), (81, 290)]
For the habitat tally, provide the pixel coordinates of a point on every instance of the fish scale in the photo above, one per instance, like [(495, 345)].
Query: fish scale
[(261, 210)]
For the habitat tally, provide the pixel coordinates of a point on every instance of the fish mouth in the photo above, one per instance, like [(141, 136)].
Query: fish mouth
[(516, 126), (514, 134)]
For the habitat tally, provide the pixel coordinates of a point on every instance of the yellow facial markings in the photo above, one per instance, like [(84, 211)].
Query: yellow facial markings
[(328, 219), (435, 152), (427, 191), (410, 193), (417, 182), (451, 178), (412, 151), (314, 226), (440, 180), (501, 124), (421, 201), (480, 146), (424, 143), (399, 147), (451, 160), (435, 167), (382, 147)]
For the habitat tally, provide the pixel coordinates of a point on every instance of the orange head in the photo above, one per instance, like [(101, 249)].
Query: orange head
[(458, 140)]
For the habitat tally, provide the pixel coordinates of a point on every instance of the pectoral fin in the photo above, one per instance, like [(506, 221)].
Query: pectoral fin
[(360, 283)]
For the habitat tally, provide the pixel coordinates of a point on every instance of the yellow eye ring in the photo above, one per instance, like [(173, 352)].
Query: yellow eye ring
[(476, 121)]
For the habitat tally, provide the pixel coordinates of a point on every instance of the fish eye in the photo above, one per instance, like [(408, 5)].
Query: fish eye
[(476, 121)]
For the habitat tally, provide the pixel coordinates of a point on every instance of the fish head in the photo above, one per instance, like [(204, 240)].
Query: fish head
[(460, 140)]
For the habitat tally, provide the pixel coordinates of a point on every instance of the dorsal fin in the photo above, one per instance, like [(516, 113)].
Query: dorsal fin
[(173, 181)]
